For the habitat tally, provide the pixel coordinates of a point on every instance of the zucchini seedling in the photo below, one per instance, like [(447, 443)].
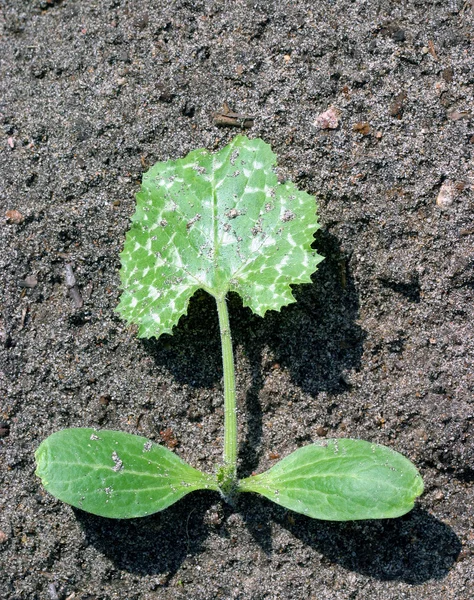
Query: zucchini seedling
[(221, 223)]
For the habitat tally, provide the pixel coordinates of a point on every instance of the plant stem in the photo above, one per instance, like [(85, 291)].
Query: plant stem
[(227, 474)]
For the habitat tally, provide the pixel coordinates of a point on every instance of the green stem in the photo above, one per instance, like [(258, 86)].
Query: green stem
[(227, 474)]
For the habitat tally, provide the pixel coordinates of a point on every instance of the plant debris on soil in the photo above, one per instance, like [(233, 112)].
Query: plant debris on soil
[(369, 107)]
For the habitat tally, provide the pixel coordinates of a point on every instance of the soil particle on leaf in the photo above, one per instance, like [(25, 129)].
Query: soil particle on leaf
[(118, 463)]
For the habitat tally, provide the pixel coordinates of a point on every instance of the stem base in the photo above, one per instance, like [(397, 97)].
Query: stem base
[(227, 482)]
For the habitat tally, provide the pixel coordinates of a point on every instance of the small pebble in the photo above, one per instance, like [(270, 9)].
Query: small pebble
[(3, 537), (165, 94), (362, 128), (105, 400), (328, 119), (456, 115), (70, 278), (14, 216), (446, 194), (399, 35), (73, 289), (76, 297), (53, 594), (397, 106), (29, 282), (213, 517)]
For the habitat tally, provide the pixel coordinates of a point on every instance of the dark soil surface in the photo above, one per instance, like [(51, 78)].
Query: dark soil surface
[(379, 347)]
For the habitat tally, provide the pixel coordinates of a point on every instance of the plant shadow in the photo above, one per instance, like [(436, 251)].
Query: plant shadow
[(154, 545), (414, 548), (316, 339)]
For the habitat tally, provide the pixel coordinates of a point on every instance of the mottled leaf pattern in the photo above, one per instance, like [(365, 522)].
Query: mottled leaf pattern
[(220, 222)]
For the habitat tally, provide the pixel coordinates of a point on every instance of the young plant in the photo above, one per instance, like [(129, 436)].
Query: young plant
[(222, 223)]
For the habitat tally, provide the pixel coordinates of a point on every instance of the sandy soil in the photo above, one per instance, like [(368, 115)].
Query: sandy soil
[(380, 346)]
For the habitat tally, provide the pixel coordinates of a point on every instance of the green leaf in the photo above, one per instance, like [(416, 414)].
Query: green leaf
[(341, 480), (115, 474), (220, 222)]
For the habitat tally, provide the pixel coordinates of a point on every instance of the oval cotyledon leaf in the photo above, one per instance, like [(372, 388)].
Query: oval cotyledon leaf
[(220, 222), (341, 480), (115, 474)]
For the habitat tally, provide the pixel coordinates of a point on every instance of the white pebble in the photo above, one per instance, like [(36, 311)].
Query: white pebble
[(446, 194), (328, 119)]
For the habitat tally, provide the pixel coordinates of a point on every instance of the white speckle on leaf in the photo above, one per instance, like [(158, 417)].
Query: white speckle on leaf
[(118, 463), (147, 446)]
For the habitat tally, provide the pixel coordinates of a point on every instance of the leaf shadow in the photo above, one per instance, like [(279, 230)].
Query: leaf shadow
[(193, 353), (316, 339), (414, 548), (154, 545)]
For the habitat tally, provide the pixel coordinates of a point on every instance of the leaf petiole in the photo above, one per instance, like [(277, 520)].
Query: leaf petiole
[(227, 473)]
